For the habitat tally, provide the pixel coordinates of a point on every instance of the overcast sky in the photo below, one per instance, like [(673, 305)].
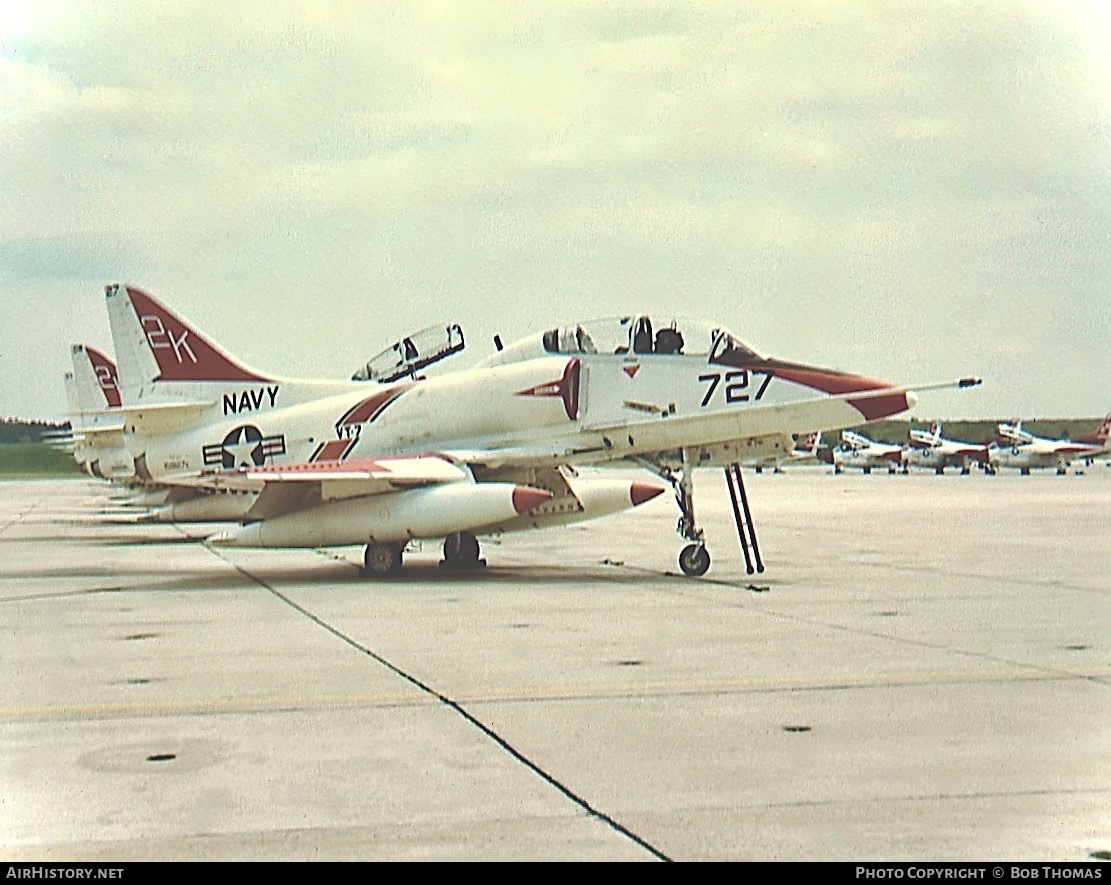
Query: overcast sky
[(912, 190)]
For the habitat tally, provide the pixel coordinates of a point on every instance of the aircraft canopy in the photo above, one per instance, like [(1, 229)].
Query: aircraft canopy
[(412, 353), (645, 335)]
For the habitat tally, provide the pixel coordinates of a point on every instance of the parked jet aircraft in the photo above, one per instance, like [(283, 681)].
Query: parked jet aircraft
[(480, 451), (97, 422), (177, 385), (931, 450), (804, 452), (64, 439), (858, 451), (1027, 451), (1101, 437), (95, 416)]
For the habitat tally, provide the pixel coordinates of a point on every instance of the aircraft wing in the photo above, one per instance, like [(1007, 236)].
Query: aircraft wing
[(286, 488), (749, 432)]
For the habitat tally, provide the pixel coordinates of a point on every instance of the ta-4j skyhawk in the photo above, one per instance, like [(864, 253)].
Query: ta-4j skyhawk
[(498, 447)]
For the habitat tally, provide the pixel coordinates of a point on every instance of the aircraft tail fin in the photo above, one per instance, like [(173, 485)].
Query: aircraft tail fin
[(855, 440), (96, 380), (65, 438), (1014, 432), (1100, 434), (926, 439), (154, 344), (71, 399)]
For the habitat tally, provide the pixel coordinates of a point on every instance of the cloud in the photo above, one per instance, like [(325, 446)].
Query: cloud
[(908, 189)]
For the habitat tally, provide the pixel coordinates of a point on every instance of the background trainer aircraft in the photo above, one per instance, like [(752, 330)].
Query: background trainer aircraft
[(1101, 437), (481, 451), (804, 452), (929, 449), (858, 451), (1028, 452)]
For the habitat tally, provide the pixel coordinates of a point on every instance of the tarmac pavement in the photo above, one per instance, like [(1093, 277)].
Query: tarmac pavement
[(922, 673)]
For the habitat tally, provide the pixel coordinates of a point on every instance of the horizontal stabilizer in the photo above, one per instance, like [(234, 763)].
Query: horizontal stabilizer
[(164, 417), (105, 430)]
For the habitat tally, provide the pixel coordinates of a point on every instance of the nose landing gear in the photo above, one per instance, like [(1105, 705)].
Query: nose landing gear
[(694, 559)]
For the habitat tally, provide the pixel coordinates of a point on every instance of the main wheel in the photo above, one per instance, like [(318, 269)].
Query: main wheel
[(382, 559), (694, 560), (461, 550), (461, 547)]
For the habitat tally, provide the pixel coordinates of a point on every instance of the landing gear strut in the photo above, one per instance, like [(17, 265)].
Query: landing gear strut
[(694, 559)]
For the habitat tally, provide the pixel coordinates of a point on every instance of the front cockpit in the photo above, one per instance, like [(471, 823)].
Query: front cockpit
[(632, 335)]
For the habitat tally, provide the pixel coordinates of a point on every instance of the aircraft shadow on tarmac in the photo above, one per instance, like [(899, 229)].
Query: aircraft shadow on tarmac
[(337, 571)]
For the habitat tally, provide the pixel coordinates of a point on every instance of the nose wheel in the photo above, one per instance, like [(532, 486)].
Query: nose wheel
[(694, 560)]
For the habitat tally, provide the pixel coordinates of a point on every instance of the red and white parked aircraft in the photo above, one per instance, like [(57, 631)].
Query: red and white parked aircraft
[(1101, 437), (929, 449), (804, 452), (481, 451), (862, 453), (95, 418), (1029, 452)]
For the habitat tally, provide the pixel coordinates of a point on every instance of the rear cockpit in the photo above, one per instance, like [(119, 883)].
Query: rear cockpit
[(412, 354)]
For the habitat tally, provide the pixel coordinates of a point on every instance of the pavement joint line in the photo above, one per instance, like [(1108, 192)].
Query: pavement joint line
[(22, 517), (458, 708)]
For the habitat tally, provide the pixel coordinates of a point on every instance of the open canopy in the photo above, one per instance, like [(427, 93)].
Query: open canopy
[(644, 335)]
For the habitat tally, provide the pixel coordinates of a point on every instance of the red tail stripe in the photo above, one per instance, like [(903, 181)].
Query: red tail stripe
[(183, 354), (106, 373)]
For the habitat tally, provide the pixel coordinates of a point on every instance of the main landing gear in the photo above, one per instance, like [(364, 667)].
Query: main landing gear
[(694, 559), (383, 559), (461, 552)]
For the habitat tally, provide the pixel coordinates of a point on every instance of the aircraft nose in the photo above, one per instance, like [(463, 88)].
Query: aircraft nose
[(873, 399)]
